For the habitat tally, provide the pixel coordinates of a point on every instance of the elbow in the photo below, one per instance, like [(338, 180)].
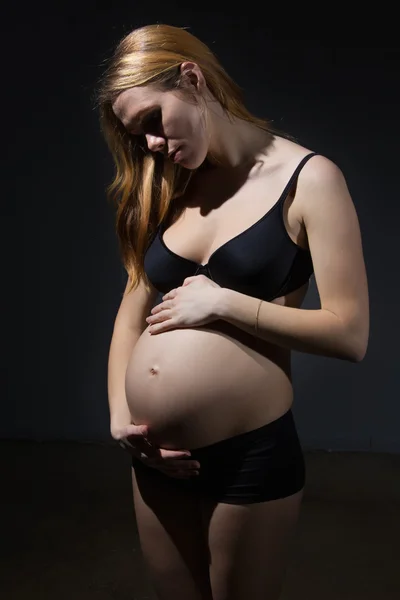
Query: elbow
[(361, 352), (356, 355), (356, 347), (351, 339)]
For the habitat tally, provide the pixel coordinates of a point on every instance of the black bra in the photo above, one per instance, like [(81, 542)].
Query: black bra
[(262, 261)]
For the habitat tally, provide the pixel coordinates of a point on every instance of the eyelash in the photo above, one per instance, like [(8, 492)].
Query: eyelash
[(154, 116)]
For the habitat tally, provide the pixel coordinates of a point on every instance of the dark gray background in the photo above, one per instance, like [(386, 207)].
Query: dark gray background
[(339, 98)]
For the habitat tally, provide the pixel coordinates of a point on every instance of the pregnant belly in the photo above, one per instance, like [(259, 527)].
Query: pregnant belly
[(194, 387)]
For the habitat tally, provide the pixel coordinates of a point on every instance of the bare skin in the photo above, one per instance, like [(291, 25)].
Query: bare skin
[(195, 548), (196, 404)]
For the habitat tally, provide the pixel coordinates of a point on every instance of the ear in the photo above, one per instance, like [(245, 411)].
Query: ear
[(193, 76)]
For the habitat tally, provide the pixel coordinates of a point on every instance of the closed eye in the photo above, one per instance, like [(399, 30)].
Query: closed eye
[(151, 122)]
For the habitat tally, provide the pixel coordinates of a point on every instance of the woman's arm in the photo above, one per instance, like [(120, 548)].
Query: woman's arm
[(340, 328), (128, 327)]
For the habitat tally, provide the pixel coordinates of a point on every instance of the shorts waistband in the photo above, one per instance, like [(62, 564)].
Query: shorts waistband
[(285, 420)]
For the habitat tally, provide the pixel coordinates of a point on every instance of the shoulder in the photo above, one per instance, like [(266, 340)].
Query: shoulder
[(320, 183), (320, 170), (321, 188)]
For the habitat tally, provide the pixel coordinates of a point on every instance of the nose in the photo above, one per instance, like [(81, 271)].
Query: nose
[(155, 143)]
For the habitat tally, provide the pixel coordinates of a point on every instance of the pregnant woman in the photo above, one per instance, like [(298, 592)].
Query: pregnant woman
[(221, 222)]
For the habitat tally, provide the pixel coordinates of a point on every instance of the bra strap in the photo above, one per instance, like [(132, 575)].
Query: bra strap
[(295, 175)]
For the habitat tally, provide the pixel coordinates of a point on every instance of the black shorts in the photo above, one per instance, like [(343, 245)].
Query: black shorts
[(266, 463)]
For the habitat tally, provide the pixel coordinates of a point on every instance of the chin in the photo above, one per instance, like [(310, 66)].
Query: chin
[(193, 163), (190, 166), (192, 160)]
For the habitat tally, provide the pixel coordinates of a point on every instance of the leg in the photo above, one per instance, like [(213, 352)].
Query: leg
[(249, 546), (172, 540)]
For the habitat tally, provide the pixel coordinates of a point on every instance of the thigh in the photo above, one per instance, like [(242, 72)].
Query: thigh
[(172, 539), (249, 546)]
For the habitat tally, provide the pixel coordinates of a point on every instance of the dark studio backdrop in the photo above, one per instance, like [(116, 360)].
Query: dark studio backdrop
[(339, 98)]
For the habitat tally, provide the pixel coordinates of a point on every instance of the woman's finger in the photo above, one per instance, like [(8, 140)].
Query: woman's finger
[(173, 453)]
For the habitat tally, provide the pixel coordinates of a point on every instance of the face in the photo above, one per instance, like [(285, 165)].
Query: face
[(170, 124)]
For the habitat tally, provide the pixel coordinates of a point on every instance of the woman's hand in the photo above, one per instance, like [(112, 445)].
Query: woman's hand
[(133, 439), (193, 304)]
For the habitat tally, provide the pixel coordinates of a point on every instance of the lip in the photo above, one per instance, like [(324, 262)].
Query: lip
[(175, 154)]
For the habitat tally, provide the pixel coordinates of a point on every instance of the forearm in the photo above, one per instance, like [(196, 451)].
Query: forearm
[(122, 344), (313, 331)]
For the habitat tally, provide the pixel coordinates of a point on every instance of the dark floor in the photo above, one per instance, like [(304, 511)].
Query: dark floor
[(68, 527)]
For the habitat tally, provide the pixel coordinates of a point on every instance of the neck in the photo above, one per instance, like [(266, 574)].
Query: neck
[(233, 141)]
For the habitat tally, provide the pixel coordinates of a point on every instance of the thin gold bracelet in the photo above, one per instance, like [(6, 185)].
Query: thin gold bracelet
[(256, 324)]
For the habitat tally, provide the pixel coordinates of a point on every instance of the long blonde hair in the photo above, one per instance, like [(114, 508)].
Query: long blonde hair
[(145, 184)]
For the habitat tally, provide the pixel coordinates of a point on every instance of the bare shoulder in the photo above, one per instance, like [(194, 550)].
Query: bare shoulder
[(285, 155), (321, 168), (320, 182), (324, 204)]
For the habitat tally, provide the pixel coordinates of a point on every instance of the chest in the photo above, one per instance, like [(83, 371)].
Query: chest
[(221, 212)]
